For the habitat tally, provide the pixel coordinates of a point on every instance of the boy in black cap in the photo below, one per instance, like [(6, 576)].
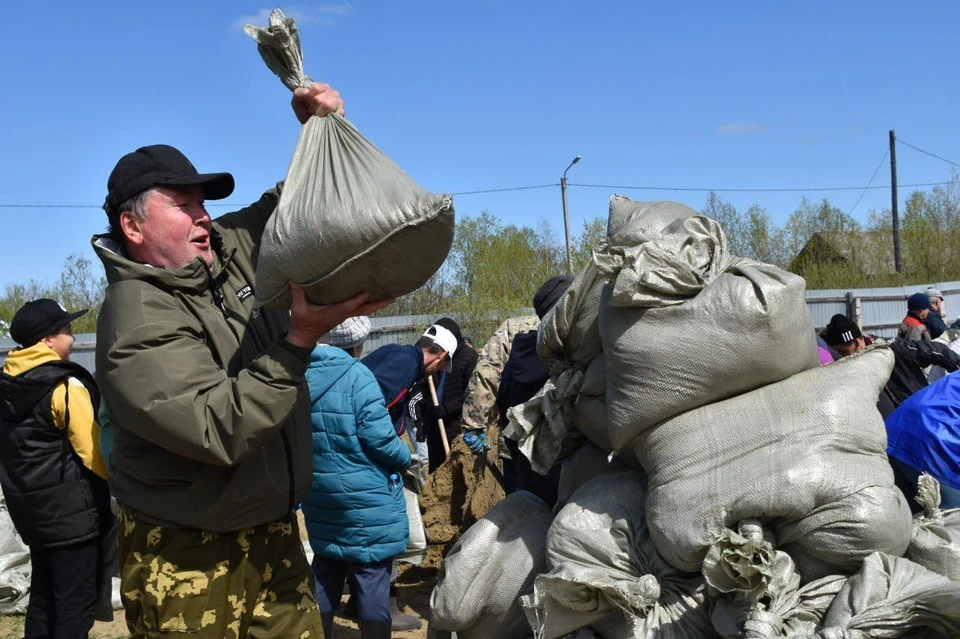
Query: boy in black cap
[(51, 471)]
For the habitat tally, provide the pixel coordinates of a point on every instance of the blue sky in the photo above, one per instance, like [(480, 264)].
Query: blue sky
[(472, 96)]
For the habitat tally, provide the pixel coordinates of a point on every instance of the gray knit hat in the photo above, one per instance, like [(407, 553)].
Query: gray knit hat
[(349, 334), (933, 293)]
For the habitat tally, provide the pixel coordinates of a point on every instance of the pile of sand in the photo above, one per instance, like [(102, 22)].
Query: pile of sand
[(458, 493)]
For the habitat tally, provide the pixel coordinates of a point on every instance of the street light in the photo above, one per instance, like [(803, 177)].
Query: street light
[(566, 217)]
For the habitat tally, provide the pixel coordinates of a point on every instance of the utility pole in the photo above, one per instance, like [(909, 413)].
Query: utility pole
[(897, 260), (566, 217)]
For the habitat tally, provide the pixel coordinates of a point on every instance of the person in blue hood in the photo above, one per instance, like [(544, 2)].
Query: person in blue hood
[(355, 513)]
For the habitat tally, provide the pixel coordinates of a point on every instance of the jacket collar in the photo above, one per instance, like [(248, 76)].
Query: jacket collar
[(195, 277)]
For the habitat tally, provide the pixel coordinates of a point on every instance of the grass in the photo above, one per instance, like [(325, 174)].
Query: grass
[(12, 626)]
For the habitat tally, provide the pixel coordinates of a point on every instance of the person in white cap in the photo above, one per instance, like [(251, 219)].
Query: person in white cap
[(356, 512), (397, 368)]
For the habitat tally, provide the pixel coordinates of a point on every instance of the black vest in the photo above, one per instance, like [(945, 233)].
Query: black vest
[(53, 499)]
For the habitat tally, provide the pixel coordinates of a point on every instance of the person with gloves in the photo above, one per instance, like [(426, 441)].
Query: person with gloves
[(355, 512), (480, 403)]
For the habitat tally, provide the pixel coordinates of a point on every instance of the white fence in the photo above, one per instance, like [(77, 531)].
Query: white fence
[(878, 311)]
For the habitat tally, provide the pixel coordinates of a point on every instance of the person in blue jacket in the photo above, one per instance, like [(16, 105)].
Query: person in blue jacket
[(355, 513), (398, 367), (923, 435)]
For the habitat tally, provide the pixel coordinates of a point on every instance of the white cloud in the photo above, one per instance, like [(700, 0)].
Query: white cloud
[(330, 14), (741, 128)]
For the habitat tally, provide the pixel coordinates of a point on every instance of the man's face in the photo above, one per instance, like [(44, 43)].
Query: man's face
[(936, 303), (176, 231), (61, 342), (924, 313), (851, 347), (436, 363)]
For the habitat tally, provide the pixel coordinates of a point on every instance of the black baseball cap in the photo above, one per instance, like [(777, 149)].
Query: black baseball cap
[(39, 318), (160, 165), (841, 330)]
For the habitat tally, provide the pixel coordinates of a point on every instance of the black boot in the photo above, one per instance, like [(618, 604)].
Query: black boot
[(402, 621), (375, 630), (326, 620)]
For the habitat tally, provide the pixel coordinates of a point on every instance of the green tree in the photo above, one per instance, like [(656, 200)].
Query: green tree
[(810, 218), (734, 226), (79, 288), (763, 240), (594, 234)]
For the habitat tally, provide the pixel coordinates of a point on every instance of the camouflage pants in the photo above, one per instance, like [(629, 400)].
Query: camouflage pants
[(249, 583)]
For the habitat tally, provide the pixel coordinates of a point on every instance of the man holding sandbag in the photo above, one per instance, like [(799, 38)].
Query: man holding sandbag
[(207, 401)]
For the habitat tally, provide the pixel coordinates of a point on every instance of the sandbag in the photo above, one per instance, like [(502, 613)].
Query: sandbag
[(604, 570), (569, 334), (14, 566), (893, 597), (756, 590), (584, 465), (349, 220), (936, 533), (416, 550), (489, 568), (807, 454), (683, 323)]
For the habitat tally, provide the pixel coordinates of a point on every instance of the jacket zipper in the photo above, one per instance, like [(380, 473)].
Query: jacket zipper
[(228, 313)]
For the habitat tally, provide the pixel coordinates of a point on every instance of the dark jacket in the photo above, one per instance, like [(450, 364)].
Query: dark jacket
[(351, 513), (210, 414), (935, 324), (455, 384), (911, 356), (396, 368), (523, 375), (53, 499)]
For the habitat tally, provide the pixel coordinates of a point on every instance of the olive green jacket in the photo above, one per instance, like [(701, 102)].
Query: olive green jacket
[(210, 413)]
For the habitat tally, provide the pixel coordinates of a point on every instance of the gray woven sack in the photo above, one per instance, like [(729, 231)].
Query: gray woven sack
[(604, 570), (349, 220), (489, 568), (684, 323), (936, 533), (893, 597), (807, 454)]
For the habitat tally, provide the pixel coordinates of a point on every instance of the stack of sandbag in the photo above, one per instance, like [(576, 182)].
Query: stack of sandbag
[(756, 593), (604, 571), (807, 453), (349, 219), (765, 506), (684, 323), (489, 568)]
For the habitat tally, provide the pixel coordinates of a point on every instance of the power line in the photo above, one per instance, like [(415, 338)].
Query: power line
[(748, 190), (933, 155), (513, 188), (548, 186), (885, 154)]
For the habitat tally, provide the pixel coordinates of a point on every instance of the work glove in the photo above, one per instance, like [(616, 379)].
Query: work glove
[(476, 441)]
